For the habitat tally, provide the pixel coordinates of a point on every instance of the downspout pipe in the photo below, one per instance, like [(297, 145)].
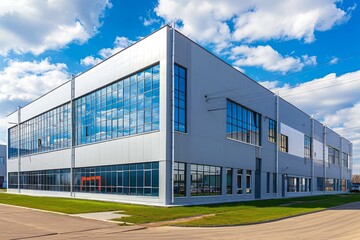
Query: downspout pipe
[(172, 112), (312, 155), (72, 164), (18, 150)]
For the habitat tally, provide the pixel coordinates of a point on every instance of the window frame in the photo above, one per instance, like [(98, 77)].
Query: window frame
[(284, 143), (307, 147), (177, 99), (272, 131), (229, 181), (239, 181), (242, 123)]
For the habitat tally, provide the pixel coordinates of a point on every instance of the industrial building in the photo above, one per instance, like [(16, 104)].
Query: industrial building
[(166, 122)]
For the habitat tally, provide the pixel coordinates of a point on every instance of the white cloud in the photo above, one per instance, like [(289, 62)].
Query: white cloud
[(28, 80), (212, 21), (225, 24), (119, 44), (38, 25), (269, 59), (330, 93), (149, 21), (287, 20), (21, 82), (274, 86), (90, 61), (334, 60)]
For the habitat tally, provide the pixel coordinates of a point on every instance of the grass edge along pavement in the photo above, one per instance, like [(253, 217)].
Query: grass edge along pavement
[(224, 214)]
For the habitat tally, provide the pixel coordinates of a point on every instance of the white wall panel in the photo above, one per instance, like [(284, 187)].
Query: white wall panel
[(12, 119), (45, 161), (12, 165), (140, 148), (49, 101), (295, 138), (53, 99), (318, 151)]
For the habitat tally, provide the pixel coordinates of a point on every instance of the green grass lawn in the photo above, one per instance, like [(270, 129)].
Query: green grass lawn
[(225, 214)]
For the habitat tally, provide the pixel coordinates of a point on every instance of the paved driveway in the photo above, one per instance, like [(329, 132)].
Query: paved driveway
[(339, 223)]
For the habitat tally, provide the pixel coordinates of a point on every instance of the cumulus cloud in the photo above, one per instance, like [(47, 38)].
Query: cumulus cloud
[(30, 79), (90, 61), (224, 25), (24, 81), (278, 20), (330, 93), (119, 44), (252, 20), (269, 59), (38, 25)]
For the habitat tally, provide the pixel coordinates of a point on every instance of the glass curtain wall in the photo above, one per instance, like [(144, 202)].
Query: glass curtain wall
[(127, 107), (46, 132)]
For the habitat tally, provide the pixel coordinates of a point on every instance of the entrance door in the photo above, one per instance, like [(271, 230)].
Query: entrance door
[(258, 179)]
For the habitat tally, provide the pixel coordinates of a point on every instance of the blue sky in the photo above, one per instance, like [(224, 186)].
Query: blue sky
[(308, 51)]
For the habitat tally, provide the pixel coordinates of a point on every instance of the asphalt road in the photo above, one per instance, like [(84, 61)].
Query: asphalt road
[(19, 223)]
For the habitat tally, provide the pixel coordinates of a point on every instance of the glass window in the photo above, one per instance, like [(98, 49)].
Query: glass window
[(272, 131), (127, 107), (345, 159), (46, 132), (274, 183), (267, 182), (128, 179), (248, 181), (180, 111), (329, 184), (284, 147), (307, 146), (116, 179), (44, 180), (343, 185), (242, 124), (293, 184), (229, 178), (337, 156), (303, 184), (333, 155), (239, 181), (320, 184), (179, 179), (205, 180)]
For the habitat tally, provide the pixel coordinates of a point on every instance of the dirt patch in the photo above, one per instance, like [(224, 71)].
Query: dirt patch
[(178, 220)]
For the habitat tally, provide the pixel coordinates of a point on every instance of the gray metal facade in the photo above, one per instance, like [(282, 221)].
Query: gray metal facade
[(241, 169)]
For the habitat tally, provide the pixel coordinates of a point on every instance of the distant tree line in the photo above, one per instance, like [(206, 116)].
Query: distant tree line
[(355, 178)]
